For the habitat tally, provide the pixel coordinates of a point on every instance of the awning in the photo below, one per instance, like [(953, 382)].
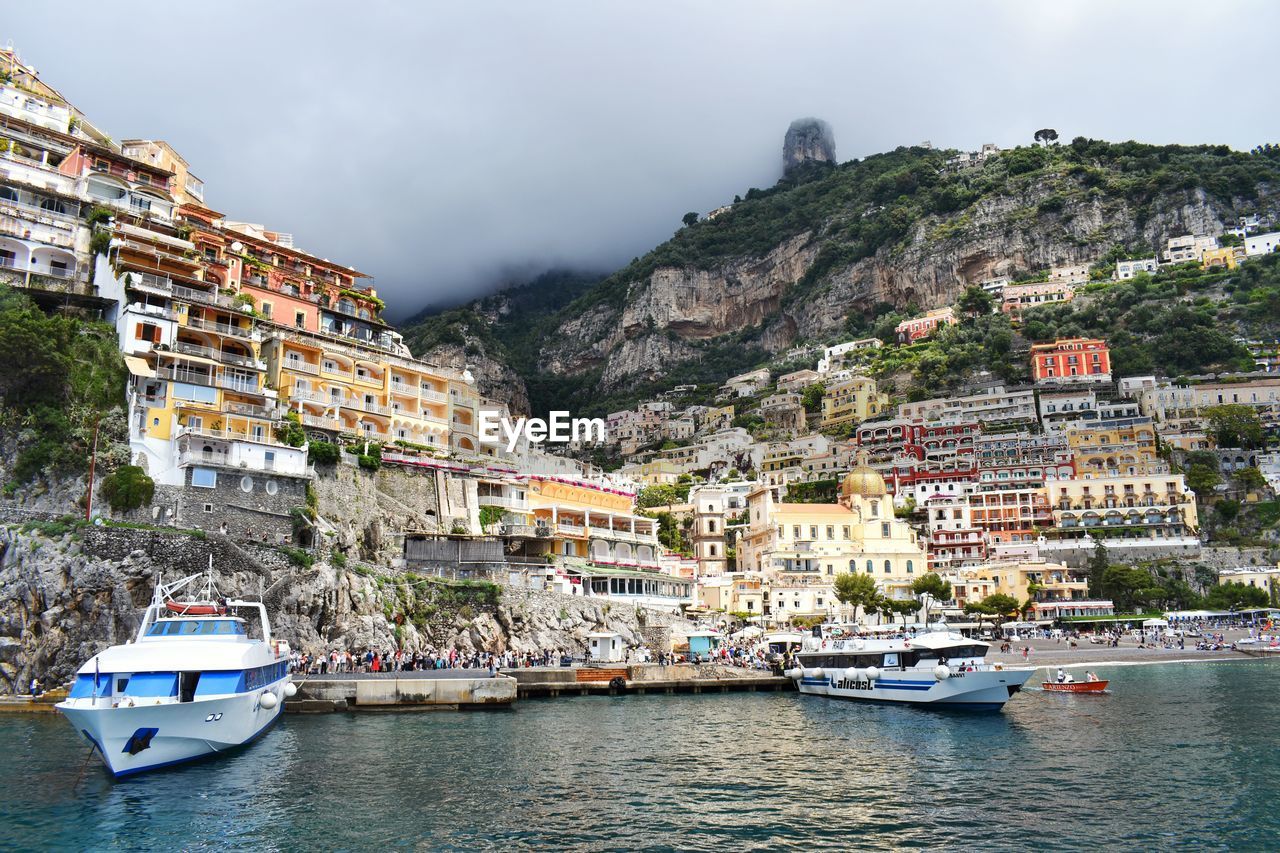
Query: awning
[(139, 367)]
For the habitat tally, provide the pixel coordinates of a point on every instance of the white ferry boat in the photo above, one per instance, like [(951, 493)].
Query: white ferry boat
[(192, 684), (936, 669)]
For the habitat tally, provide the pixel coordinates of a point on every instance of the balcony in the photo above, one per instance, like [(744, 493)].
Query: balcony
[(571, 529), (150, 282), (433, 396), (239, 385), (313, 397), (222, 328), (332, 424), (403, 389), (264, 437), (366, 406), (191, 377), (297, 365), (504, 501), (190, 294), (219, 355), (70, 283), (248, 410)]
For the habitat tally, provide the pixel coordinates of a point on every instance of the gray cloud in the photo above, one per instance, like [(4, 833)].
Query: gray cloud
[(436, 146)]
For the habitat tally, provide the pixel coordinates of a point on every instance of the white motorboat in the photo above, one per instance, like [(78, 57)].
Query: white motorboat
[(193, 683), (936, 669)]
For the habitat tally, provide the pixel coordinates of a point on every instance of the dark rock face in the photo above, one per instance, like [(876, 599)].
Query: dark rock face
[(808, 140)]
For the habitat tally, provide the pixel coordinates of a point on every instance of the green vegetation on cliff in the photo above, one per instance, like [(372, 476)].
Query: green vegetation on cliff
[(880, 207), (63, 376)]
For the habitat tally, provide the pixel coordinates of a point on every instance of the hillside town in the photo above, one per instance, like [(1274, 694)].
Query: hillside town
[(256, 368)]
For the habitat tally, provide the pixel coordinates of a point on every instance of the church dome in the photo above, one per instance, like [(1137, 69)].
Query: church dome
[(863, 480)]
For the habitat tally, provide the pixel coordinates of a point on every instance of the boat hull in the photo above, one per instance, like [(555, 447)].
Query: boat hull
[(1075, 686), (987, 690), (136, 739)]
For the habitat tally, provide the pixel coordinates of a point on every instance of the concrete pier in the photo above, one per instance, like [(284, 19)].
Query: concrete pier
[(431, 690), (620, 680)]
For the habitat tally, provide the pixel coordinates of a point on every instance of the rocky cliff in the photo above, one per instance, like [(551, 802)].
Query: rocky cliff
[(808, 140), (68, 592), (828, 250)]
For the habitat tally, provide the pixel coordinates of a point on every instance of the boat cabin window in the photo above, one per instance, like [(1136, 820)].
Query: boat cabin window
[(193, 627), (950, 653)]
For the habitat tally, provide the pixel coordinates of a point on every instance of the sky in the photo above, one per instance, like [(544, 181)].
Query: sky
[(447, 148)]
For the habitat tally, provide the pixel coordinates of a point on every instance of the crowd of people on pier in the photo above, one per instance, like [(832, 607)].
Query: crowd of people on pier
[(399, 660)]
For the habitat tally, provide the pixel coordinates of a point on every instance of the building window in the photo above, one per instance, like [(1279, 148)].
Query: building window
[(884, 529), (148, 332), (910, 567), (300, 319), (246, 484), (204, 478), (870, 567), (273, 487), (844, 531), (208, 507), (266, 310)]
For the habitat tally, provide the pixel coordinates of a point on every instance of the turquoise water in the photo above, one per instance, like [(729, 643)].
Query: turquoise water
[(1178, 756)]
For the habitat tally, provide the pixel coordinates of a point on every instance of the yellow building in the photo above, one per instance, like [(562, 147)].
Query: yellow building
[(1141, 517), (1025, 579), (1228, 257), (800, 548), (591, 522), (1114, 448), (851, 401), (656, 472), (734, 593)]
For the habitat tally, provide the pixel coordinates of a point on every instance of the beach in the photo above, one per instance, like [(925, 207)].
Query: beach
[(1058, 652)]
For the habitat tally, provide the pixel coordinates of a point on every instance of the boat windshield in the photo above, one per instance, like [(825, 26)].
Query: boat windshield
[(196, 627)]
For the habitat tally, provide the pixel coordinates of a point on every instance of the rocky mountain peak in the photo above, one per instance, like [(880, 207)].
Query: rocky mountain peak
[(808, 139)]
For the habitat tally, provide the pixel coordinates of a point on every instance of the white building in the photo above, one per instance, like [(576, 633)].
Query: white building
[(1128, 269), (1187, 249), (1261, 244)]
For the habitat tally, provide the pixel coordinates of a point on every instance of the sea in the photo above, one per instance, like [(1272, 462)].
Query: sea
[(1176, 756)]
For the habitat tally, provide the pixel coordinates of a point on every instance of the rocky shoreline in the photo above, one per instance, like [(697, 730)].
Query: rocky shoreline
[(68, 591)]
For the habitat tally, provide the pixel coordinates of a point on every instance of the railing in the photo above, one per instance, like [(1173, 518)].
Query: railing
[(321, 423), (502, 500), (571, 529), (313, 397), (192, 377), (364, 406), (145, 280), (41, 281), (229, 434), (220, 328), (192, 295), (248, 410), (345, 374), (220, 355), (232, 383), (299, 366), (433, 396)]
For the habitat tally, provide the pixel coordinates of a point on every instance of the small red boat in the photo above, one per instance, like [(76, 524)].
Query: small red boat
[(1075, 686), (189, 608)]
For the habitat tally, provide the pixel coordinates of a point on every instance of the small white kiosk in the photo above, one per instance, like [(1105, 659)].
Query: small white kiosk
[(606, 647)]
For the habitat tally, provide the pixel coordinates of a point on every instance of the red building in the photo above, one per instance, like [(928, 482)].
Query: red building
[(910, 331), (1071, 360)]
